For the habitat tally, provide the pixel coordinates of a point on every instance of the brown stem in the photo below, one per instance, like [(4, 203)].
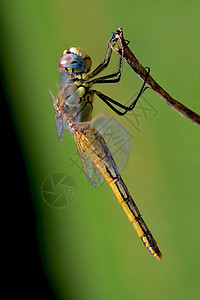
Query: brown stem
[(151, 83)]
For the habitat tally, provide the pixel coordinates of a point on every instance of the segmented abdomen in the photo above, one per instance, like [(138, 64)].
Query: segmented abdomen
[(95, 147)]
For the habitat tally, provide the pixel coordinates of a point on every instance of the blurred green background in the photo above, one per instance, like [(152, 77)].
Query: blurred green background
[(88, 249)]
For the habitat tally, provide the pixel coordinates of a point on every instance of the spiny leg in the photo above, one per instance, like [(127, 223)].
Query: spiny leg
[(104, 63), (106, 78), (109, 100)]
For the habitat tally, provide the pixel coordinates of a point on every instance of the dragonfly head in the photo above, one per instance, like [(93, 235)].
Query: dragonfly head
[(75, 60)]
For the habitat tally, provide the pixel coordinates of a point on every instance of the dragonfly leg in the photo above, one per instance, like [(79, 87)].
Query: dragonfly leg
[(104, 63), (111, 102), (143, 89), (106, 79)]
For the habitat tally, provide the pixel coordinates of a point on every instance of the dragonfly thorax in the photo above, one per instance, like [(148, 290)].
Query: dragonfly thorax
[(75, 60)]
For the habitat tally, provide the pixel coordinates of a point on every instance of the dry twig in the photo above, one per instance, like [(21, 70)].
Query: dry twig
[(151, 83)]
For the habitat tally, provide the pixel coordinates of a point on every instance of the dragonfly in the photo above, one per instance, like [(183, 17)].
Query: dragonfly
[(73, 113)]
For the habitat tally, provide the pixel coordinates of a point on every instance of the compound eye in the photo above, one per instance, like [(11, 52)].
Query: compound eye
[(65, 61)]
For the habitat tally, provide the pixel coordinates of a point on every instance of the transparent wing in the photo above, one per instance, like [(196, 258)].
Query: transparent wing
[(59, 126), (116, 137), (93, 174), (59, 123)]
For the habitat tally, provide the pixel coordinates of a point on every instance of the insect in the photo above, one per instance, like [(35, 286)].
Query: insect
[(73, 112)]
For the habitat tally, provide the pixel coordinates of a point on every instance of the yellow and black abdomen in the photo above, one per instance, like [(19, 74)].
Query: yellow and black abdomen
[(119, 188), (110, 172), (95, 147)]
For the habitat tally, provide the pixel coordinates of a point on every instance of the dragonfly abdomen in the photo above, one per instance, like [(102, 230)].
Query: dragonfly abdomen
[(132, 212), (95, 147)]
